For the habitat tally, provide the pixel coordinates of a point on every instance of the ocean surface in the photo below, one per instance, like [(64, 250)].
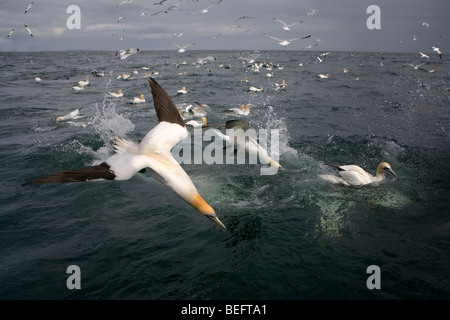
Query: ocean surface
[(290, 236)]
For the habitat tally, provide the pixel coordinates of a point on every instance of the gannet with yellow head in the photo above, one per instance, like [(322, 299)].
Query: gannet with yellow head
[(153, 154)]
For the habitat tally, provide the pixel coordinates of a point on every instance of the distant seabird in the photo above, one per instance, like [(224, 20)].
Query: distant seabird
[(28, 30), (125, 53), (182, 49), (283, 42), (38, 79), (78, 88), (29, 7), (324, 76), (10, 33), (153, 154), (254, 89), (423, 55), (71, 116), (436, 49), (182, 90), (311, 12), (426, 24), (286, 26), (352, 175)]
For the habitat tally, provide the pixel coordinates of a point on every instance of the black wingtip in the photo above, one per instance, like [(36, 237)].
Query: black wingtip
[(334, 166)]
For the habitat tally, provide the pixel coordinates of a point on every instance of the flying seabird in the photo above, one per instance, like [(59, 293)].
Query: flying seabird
[(438, 51), (243, 141), (29, 7), (182, 49), (283, 42), (311, 12), (28, 30), (352, 175), (125, 53), (153, 154), (423, 55), (10, 33), (71, 116), (286, 26)]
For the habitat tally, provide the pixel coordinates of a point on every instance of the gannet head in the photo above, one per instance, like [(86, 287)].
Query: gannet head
[(59, 118), (274, 164), (204, 121), (120, 91), (385, 167), (142, 96), (205, 209)]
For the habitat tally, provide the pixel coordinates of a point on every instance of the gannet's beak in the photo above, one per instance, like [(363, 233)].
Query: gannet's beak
[(214, 218), (205, 209), (390, 171)]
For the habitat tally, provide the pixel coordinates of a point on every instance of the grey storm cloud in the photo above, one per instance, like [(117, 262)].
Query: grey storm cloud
[(227, 25)]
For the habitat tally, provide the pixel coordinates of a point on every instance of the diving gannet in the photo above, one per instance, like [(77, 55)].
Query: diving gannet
[(353, 175), (153, 154)]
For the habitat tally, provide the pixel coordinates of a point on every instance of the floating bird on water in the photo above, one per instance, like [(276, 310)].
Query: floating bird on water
[(10, 33), (283, 42), (324, 76), (182, 90), (71, 116), (280, 86), (137, 100), (243, 110), (29, 7), (118, 94), (28, 30), (153, 154), (78, 88), (254, 89), (353, 175), (286, 26), (84, 83), (38, 79)]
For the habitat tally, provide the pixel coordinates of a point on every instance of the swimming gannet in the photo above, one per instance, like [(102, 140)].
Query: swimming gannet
[(255, 89), (182, 90), (280, 86), (243, 110), (283, 42), (136, 100), (246, 142), (353, 175), (324, 76), (78, 88), (118, 94), (152, 154), (71, 115), (286, 26), (37, 79), (84, 83)]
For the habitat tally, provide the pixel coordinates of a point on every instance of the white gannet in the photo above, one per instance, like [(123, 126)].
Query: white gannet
[(324, 76), (182, 90), (243, 110), (197, 111), (153, 154), (353, 175), (84, 83), (29, 6), (28, 30), (71, 115), (78, 88), (200, 124), (137, 100), (423, 55), (38, 79), (286, 26), (10, 33), (426, 24), (280, 86), (416, 66), (436, 49), (182, 49), (283, 42), (98, 73), (254, 89), (311, 12), (125, 76), (125, 53), (246, 142), (118, 94)]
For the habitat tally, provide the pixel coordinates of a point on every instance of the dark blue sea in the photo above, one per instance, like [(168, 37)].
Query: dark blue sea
[(290, 236)]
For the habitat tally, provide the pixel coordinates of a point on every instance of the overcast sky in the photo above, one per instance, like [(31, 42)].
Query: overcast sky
[(338, 25)]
